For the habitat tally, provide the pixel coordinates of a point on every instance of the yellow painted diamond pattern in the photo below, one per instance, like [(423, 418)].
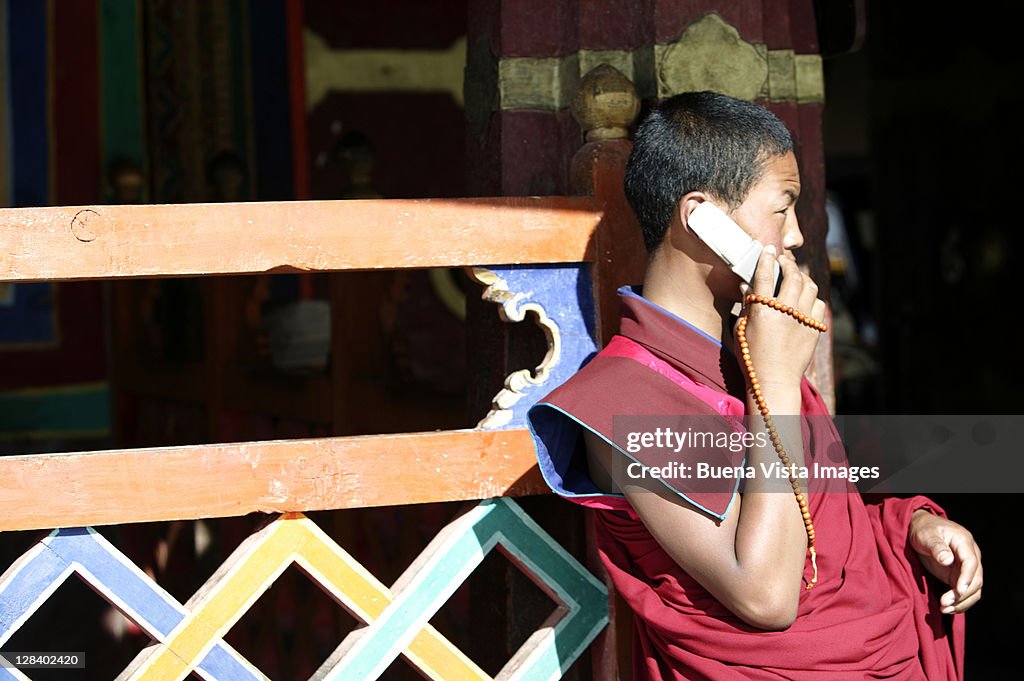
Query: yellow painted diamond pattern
[(190, 637), (251, 570)]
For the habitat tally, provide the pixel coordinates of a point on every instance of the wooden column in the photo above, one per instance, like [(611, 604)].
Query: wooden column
[(521, 136), (605, 106)]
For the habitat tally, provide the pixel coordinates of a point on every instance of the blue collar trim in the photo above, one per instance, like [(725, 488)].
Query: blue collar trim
[(628, 291)]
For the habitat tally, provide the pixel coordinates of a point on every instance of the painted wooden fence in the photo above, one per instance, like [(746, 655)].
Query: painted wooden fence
[(189, 637), (549, 256)]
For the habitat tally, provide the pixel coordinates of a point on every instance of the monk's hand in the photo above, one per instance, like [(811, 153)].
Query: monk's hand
[(948, 551), (780, 346)]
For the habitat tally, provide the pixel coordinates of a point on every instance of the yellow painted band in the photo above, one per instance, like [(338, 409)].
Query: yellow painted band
[(295, 537)]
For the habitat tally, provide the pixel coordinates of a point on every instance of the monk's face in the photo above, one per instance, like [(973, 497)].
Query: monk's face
[(769, 212)]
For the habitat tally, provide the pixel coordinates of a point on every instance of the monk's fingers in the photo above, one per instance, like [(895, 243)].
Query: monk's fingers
[(965, 573), (793, 282), (963, 595), (818, 309), (967, 602), (972, 574), (809, 293), (764, 275), (936, 546), (968, 558), (970, 595)]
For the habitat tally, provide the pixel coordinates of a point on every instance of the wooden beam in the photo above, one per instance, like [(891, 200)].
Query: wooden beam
[(169, 483), (106, 242)]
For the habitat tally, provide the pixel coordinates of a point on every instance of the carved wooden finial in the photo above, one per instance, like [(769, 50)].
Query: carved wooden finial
[(605, 104)]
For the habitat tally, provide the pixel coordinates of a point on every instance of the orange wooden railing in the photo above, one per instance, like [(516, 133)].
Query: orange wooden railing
[(219, 480)]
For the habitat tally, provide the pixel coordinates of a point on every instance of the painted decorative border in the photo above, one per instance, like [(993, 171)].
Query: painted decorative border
[(708, 55), (38, 573), (190, 637), (561, 297)]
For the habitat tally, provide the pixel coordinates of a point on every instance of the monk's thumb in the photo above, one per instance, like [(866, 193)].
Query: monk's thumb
[(941, 552)]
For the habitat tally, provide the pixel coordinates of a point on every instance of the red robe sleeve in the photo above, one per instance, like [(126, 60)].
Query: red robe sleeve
[(941, 657)]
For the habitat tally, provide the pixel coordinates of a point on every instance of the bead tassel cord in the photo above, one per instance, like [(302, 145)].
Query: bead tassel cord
[(762, 406)]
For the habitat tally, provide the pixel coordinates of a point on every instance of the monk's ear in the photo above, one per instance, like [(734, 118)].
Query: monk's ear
[(679, 230), (686, 206)]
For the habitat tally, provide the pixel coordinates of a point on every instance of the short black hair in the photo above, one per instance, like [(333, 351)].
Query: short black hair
[(699, 141)]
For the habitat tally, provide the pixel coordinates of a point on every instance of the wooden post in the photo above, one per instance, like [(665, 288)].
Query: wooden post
[(516, 145), (605, 106)]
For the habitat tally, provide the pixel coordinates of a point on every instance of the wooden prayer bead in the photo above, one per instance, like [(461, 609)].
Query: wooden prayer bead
[(762, 407)]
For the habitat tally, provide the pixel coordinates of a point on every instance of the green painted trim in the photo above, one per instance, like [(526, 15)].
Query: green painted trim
[(121, 82), (542, 83), (376, 70), (620, 59), (449, 560), (48, 391), (782, 75), (66, 411), (810, 79), (709, 55)]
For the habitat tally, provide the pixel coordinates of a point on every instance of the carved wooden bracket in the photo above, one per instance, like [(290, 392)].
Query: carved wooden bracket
[(561, 299)]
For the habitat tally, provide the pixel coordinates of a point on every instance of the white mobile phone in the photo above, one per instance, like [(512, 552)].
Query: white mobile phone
[(729, 242)]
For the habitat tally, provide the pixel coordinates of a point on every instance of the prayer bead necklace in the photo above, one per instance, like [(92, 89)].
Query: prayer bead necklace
[(762, 406)]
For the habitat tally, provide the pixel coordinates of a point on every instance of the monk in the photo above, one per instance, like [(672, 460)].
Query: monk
[(718, 574)]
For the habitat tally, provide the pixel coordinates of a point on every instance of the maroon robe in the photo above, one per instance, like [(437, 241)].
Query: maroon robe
[(873, 614)]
